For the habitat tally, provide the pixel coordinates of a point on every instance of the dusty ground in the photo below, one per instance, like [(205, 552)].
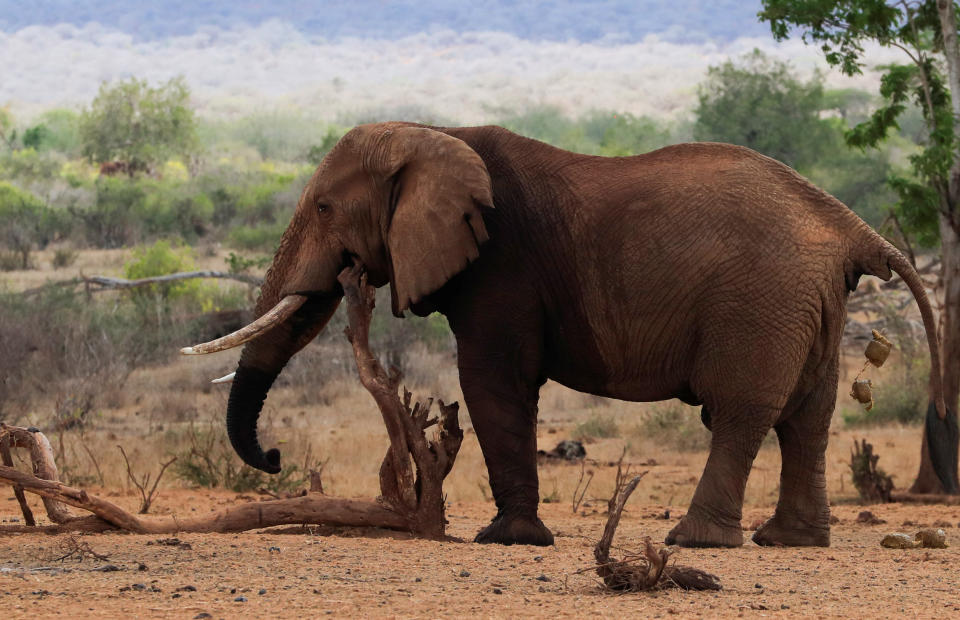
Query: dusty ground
[(297, 572)]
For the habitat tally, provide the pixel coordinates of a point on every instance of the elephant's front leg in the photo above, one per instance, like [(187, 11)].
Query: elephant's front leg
[(503, 409)]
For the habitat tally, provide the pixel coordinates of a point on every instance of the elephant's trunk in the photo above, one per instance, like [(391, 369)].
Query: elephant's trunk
[(249, 390), (261, 362)]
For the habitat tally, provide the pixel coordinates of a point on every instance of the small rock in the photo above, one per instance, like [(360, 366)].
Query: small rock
[(141, 566), (106, 568), (187, 588), (464, 573), (176, 595), (544, 578), (262, 591), (418, 580), (542, 589), (538, 558), (202, 615), (834, 519), (274, 549), (898, 540), (139, 586), (758, 586), (497, 591), (240, 599)]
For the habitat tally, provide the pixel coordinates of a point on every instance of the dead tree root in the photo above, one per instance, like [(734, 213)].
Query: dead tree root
[(646, 570)]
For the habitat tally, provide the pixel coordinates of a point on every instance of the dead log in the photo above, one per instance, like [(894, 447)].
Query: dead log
[(925, 498), (95, 284), (411, 500)]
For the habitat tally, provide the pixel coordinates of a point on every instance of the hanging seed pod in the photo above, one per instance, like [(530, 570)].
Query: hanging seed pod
[(878, 349), (863, 393)]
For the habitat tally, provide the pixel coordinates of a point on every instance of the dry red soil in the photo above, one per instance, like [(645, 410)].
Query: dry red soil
[(300, 572)]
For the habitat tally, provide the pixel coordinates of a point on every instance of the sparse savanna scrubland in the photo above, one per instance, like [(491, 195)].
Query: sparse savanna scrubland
[(150, 177)]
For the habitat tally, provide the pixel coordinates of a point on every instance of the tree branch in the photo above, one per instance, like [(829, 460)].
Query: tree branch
[(105, 283)]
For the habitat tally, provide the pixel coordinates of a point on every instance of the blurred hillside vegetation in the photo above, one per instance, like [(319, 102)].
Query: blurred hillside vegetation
[(138, 169)]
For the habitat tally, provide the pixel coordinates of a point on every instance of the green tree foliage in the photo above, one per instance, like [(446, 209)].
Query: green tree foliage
[(26, 223), (139, 124), (841, 29), (596, 133), (55, 130), (758, 102)]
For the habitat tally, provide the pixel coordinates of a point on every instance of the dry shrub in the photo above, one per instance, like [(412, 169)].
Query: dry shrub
[(205, 458), (670, 425)]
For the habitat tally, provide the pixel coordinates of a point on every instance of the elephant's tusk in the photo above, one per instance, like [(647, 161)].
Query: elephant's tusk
[(281, 312), (225, 378)]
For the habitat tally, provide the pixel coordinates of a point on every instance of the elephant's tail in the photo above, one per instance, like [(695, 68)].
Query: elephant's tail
[(902, 267)]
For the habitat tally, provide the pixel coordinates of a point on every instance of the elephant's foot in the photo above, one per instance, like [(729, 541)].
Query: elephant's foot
[(781, 531), (695, 530), (515, 530)]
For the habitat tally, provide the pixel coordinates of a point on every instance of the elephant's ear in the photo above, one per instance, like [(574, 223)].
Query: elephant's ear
[(440, 185)]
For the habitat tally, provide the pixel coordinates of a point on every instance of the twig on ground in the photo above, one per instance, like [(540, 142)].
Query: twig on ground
[(71, 547), (578, 499)]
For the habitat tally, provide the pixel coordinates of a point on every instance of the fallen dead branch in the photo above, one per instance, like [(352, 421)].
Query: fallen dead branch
[(95, 284), (648, 569), (411, 500)]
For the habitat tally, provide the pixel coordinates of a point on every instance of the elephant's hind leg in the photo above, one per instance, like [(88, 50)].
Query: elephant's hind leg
[(713, 519), (802, 517)]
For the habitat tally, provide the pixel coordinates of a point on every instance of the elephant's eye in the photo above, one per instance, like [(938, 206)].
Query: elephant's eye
[(322, 207)]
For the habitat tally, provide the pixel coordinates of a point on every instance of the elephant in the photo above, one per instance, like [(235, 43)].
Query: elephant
[(703, 272)]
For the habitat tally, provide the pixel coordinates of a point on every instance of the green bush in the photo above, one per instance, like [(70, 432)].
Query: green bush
[(26, 223), (262, 237), (112, 220), (175, 210), (596, 427), (27, 166), (899, 398), (173, 301), (242, 264)]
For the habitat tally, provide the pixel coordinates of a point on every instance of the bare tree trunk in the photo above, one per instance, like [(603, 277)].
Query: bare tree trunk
[(927, 480)]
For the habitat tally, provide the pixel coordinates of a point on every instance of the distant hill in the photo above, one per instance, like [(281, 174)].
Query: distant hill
[(617, 21)]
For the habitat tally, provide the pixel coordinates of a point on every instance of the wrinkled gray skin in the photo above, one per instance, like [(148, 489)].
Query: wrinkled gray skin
[(704, 272)]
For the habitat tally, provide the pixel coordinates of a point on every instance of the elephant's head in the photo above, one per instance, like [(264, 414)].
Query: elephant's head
[(403, 200)]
